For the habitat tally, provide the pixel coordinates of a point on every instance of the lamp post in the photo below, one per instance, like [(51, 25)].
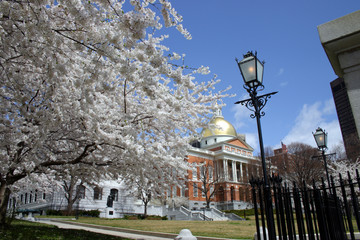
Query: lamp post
[(321, 141), (252, 71)]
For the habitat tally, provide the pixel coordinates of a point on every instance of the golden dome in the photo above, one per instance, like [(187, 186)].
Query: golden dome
[(222, 127)]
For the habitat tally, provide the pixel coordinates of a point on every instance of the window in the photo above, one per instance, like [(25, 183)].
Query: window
[(21, 198), (174, 191), (232, 193), (202, 192), (97, 193), (202, 172), (221, 194), (194, 172), (183, 192), (35, 198), (214, 139), (211, 172), (206, 142), (195, 190), (30, 197), (80, 189), (44, 196), (26, 198), (115, 194)]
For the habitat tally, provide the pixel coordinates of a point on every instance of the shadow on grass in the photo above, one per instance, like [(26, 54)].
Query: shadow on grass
[(29, 230)]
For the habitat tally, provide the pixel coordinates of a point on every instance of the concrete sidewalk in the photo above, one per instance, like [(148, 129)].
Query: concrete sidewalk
[(120, 232), (102, 230)]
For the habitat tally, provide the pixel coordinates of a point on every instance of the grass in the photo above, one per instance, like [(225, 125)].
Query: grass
[(24, 230), (222, 229)]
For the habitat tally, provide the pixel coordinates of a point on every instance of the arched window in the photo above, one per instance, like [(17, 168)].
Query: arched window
[(97, 193), (35, 198), (221, 194), (26, 198), (232, 194), (115, 194)]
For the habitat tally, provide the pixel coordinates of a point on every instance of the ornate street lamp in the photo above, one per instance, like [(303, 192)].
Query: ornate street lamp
[(252, 71), (320, 138), (321, 141)]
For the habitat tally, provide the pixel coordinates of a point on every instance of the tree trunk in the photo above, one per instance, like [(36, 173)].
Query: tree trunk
[(207, 203), (69, 207), (4, 199), (145, 209), (71, 199)]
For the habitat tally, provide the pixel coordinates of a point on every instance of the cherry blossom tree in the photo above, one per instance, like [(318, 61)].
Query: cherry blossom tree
[(89, 82)]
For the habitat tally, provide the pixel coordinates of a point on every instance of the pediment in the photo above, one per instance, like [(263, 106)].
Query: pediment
[(239, 143)]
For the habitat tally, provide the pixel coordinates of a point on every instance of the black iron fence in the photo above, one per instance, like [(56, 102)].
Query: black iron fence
[(326, 212)]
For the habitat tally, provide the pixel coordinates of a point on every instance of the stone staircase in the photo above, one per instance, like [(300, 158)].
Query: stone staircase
[(211, 214)]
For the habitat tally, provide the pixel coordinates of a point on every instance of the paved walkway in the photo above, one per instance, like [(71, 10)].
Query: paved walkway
[(119, 232), (103, 230)]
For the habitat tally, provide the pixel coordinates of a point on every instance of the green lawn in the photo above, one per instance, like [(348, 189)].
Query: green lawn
[(222, 229), (24, 230)]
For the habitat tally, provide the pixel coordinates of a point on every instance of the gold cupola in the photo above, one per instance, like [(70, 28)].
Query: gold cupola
[(218, 126)]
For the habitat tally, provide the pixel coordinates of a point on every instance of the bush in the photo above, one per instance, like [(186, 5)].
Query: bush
[(153, 218), (131, 217), (54, 212), (84, 213), (142, 217), (243, 212), (89, 213)]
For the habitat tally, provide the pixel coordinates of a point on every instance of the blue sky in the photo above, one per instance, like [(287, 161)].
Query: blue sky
[(284, 34)]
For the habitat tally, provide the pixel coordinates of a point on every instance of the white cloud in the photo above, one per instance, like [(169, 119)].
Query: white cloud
[(283, 84), (312, 117), (281, 72)]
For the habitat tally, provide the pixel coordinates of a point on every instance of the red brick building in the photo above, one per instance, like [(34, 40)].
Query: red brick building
[(222, 164)]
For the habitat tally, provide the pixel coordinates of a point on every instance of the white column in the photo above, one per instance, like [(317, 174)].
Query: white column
[(225, 169), (234, 171), (241, 172)]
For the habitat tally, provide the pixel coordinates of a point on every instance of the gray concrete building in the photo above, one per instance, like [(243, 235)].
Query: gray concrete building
[(340, 39)]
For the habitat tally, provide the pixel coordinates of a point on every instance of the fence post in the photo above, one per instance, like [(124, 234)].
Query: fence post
[(298, 212), (354, 198), (253, 190), (276, 180), (347, 210), (337, 223), (320, 213), (289, 213), (281, 210), (309, 222), (260, 184)]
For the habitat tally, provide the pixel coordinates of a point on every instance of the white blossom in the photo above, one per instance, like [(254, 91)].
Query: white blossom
[(88, 82)]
